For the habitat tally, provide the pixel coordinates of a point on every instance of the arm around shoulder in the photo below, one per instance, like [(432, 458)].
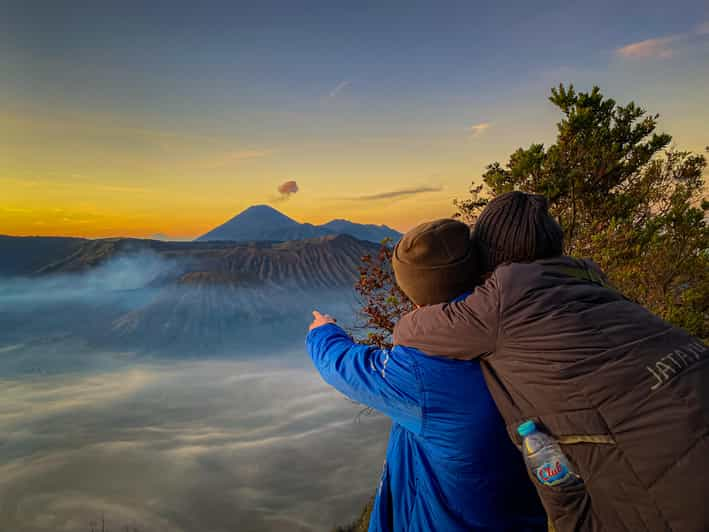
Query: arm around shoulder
[(463, 330)]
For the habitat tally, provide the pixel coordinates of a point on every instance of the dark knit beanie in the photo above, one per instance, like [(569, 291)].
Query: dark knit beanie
[(436, 262), (517, 227)]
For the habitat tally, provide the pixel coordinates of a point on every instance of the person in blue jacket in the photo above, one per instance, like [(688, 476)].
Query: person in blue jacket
[(450, 464)]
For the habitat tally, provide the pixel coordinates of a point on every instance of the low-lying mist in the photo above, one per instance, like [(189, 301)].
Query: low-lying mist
[(148, 303), (105, 281), (156, 395), (208, 446)]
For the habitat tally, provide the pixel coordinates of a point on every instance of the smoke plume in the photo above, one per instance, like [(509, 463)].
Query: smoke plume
[(287, 189)]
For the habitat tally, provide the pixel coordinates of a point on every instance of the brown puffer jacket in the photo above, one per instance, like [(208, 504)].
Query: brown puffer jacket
[(624, 393)]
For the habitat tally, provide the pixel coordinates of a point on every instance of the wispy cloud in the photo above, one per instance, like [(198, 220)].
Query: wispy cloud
[(339, 88), (702, 29), (479, 129), (662, 47), (401, 193)]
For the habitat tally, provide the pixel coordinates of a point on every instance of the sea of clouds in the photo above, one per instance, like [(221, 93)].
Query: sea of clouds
[(193, 446), (249, 440)]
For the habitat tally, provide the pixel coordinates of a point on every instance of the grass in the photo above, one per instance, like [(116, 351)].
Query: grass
[(361, 524)]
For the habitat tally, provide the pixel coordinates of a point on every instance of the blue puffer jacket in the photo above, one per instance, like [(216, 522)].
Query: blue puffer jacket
[(450, 464)]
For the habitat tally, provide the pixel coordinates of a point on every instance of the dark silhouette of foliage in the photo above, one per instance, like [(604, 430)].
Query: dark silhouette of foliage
[(470, 208), (382, 299), (624, 198), (361, 524)]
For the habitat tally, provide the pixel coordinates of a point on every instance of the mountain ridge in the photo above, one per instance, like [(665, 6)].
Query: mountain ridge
[(174, 297), (327, 261), (262, 222)]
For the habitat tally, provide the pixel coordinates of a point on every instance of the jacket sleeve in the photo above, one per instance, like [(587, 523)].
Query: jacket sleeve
[(384, 380), (462, 330)]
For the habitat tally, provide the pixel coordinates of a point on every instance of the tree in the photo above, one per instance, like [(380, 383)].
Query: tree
[(382, 301), (625, 199)]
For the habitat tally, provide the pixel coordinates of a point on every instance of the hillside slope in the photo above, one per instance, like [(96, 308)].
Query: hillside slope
[(325, 262), (181, 296), (25, 255)]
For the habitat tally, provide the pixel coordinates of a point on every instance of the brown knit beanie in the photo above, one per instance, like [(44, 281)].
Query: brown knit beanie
[(517, 227), (436, 262)]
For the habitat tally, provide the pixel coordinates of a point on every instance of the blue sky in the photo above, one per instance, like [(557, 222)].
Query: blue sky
[(175, 115)]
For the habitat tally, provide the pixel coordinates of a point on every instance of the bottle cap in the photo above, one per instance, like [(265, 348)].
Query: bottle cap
[(526, 428)]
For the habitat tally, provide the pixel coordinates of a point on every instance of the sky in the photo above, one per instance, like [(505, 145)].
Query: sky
[(136, 119)]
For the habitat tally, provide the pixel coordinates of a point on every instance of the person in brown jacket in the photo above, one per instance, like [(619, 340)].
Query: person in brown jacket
[(624, 393)]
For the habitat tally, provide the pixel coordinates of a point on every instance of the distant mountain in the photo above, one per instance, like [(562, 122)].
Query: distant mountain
[(371, 232), (261, 222), (264, 223), (23, 255)]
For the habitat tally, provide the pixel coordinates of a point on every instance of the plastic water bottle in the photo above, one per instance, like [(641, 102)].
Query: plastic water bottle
[(544, 457)]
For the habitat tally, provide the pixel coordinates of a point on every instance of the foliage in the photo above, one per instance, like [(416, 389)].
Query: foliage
[(382, 299), (361, 524), (470, 208), (624, 199)]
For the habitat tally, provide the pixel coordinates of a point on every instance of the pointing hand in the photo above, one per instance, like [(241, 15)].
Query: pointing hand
[(320, 319)]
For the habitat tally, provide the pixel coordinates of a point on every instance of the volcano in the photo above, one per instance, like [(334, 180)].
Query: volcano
[(264, 223)]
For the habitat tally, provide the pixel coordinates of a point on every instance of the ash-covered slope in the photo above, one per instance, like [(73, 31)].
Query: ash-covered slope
[(326, 262), (184, 296)]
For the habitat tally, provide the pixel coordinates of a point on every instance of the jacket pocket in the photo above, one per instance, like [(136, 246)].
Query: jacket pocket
[(568, 508), (586, 424), (611, 496), (577, 427)]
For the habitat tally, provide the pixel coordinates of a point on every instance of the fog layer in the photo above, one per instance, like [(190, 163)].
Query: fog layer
[(208, 446)]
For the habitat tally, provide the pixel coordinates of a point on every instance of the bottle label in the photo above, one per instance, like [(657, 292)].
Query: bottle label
[(552, 473)]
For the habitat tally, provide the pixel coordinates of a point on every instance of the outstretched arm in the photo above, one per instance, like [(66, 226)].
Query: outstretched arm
[(463, 330), (377, 378)]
